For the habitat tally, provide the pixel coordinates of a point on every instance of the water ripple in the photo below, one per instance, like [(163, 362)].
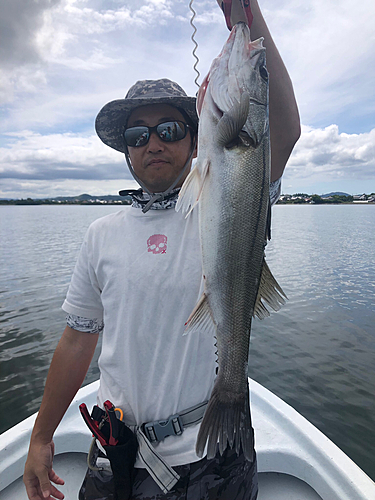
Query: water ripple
[(317, 353)]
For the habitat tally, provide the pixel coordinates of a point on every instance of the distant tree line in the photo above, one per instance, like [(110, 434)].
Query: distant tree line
[(31, 201), (336, 198), (302, 198), (296, 199)]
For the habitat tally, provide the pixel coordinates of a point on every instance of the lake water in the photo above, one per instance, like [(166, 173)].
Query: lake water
[(317, 353)]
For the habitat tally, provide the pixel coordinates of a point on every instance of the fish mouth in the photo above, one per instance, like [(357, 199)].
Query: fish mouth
[(242, 48), (225, 54), (238, 51), (202, 93)]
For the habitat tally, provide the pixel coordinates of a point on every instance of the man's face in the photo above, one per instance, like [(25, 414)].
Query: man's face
[(158, 163)]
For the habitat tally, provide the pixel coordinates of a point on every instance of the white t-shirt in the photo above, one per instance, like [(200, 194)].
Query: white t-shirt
[(142, 274)]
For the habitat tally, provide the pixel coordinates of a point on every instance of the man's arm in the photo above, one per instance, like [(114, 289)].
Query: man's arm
[(67, 371), (285, 128)]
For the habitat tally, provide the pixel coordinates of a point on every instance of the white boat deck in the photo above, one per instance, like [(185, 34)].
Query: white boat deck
[(72, 466), (295, 460)]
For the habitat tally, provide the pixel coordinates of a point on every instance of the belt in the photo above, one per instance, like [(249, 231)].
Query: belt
[(153, 432), (175, 424)]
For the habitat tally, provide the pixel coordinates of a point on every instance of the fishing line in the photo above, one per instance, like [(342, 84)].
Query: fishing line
[(195, 43)]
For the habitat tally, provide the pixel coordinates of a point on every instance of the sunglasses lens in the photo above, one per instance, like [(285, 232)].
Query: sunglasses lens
[(136, 136), (171, 131), (167, 131)]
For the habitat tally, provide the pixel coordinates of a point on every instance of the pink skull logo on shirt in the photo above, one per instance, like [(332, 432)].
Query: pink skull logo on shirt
[(157, 243)]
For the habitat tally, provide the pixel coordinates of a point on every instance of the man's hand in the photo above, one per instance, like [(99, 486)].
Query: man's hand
[(39, 473), (285, 128), (66, 374), (237, 13)]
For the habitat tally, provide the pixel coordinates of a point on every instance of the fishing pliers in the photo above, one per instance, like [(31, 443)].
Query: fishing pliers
[(95, 422), (226, 7)]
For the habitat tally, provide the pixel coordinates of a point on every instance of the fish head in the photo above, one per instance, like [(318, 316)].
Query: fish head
[(237, 84)]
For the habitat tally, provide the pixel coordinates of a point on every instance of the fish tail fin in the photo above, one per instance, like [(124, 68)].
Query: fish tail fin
[(226, 421), (270, 294)]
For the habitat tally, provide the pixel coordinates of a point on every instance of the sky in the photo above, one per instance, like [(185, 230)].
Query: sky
[(61, 61)]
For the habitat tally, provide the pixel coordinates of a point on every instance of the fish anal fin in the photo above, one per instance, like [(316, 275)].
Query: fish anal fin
[(192, 188), (200, 317), (232, 121), (270, 294)]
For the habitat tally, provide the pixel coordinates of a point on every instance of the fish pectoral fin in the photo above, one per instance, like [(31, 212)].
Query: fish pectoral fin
[(200, 317), (192, 188), (270, 294), (232, 122)]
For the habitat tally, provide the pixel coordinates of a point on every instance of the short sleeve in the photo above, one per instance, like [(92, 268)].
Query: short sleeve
[(84, 294), (84, 324)]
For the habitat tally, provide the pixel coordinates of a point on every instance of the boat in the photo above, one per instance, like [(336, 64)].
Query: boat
[(295, 460)]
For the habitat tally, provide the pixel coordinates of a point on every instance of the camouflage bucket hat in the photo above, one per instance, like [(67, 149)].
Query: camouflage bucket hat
[(113, 117)]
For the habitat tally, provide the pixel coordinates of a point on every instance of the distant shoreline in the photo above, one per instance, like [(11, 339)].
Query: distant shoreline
[(330, 203), (43, 202), (36, 203), (285, 199)]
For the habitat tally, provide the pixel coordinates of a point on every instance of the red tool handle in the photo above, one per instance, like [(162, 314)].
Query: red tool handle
[(113, 423), (247, 9), (226, 7), (92, 425)]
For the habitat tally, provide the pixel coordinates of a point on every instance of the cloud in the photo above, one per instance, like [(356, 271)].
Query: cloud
[(16, 189), (87, 56), (20, 57), (30, 30), (326, 154), (19, 23), (62, 60), (321, 154), (331, 65), (42, 166), (59, 156), (69, 33)]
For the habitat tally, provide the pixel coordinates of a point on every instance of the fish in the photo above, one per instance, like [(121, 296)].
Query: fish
[(230, 183)]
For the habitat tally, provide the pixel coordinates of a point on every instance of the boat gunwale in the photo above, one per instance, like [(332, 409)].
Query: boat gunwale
[(286, 443)]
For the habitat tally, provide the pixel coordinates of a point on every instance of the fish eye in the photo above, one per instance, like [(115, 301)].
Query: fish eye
[(247, 140), (263, 73)]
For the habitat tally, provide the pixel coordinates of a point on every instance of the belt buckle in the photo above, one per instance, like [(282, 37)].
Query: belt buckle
[(159, 430)]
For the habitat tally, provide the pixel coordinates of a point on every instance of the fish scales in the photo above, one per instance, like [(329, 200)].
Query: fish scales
[(231, 183), (234, 276)]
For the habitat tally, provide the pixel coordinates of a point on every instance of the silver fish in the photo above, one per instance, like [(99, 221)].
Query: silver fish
[(231, 183)]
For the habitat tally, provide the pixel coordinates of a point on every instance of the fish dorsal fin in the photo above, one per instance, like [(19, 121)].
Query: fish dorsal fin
[(192, 188), (270, 294), (232, 122)]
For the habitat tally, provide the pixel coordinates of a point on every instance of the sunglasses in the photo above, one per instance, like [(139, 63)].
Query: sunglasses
[(166, 131)]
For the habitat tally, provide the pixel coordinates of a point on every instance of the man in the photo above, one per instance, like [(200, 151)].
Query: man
[(137, 279)]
